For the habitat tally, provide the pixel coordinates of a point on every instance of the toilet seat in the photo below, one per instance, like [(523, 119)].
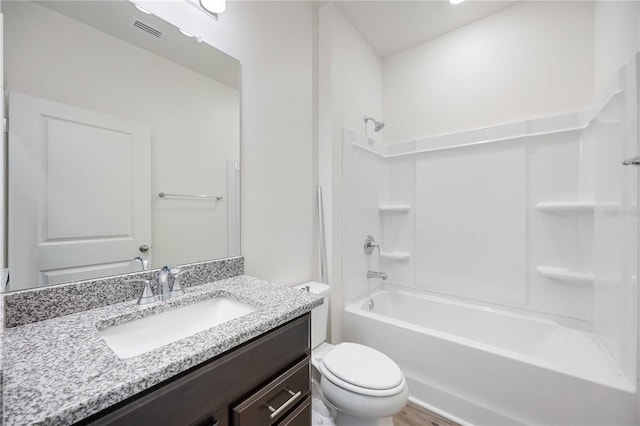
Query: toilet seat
[(363, 370)]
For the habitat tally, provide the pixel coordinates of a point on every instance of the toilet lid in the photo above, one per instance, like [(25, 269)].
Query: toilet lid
[(363, 366)]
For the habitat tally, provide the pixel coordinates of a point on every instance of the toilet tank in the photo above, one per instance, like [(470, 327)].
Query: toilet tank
[(319, 315)]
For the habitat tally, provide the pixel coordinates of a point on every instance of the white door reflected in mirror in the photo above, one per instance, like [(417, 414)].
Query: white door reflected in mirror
[(86, 211)]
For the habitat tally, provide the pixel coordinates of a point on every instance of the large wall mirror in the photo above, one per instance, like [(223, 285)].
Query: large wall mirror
[(123, 143)]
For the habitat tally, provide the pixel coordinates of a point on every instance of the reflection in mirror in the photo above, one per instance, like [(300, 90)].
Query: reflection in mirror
[(108, 108)]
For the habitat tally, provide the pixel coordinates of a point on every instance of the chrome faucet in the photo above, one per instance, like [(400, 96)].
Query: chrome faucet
[(162, 287), (168, 283), (167, 287), (374, 274), (144, 263)]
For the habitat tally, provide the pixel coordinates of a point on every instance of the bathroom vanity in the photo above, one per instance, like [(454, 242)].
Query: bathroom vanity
[(252, 370), (262, 382)]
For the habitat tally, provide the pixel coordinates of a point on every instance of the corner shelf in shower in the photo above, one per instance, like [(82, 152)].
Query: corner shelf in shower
[(566, 275), (567, 208), (394, 208), (395, 255)]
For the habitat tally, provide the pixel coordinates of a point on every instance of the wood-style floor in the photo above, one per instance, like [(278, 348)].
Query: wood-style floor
[(413, 415)]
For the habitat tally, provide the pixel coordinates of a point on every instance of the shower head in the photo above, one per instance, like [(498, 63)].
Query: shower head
[(377, 125)]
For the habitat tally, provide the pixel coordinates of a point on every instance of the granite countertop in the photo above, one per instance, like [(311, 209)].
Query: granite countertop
[(59, 371)]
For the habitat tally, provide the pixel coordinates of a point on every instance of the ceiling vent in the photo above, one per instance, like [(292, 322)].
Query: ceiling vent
[(155, 33)]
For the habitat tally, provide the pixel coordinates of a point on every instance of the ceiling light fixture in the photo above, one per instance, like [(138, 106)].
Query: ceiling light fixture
[(143, 10), (186, 33), (454, 2), (213, 6)]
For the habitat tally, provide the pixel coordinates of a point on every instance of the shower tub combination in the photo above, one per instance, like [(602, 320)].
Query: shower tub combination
[(493, 366)]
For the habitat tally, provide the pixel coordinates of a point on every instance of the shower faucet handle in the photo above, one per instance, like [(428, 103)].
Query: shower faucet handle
[(370, 244)]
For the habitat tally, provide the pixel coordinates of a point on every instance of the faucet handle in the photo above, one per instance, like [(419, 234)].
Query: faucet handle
[(176, 288), (147, 295), (370, 244)]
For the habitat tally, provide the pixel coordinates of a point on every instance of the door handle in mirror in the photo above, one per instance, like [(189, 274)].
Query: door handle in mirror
[(635, 161), (144, 248)]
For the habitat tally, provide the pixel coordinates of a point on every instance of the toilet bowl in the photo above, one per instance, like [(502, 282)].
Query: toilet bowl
[(362, 384)]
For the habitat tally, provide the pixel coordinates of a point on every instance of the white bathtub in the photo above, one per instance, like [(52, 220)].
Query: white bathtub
[(488, 366)]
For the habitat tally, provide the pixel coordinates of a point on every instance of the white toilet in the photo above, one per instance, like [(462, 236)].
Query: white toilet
[(364, 385)]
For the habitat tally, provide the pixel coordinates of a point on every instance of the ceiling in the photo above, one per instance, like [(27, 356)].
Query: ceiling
[(116, 18), (393, 26)]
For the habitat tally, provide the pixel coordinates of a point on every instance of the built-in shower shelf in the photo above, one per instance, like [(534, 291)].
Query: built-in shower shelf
[(566, 275), (395, 255), (394, 208), (567, 208)]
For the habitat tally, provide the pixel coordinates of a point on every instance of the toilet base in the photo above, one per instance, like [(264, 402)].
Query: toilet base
[(320, 413), (344, 419)]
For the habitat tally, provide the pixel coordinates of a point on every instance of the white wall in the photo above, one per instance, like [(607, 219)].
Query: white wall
[(532, 59), (349, 87), (274, 45), (356, 76), (195, 124), (616, 37)]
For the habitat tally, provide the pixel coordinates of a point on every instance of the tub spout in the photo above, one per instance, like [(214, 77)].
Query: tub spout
[(374, 274)]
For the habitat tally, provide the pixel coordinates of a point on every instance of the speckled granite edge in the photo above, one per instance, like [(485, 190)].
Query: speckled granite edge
[(39, 304)]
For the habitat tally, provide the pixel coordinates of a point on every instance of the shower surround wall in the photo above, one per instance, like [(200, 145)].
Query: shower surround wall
[(467, 220), (537, 217)]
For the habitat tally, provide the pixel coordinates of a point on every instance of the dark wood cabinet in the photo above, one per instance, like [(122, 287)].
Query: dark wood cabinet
[(270, 403), (300, 416), (243, 387)]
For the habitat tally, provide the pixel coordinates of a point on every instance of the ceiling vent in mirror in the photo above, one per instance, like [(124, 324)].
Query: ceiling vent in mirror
[(147, 29)]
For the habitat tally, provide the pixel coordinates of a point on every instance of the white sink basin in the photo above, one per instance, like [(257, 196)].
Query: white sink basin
[(145, 334)]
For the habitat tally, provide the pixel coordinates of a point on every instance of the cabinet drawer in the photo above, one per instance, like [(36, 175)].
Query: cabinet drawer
[(301, 416), (273, 401)]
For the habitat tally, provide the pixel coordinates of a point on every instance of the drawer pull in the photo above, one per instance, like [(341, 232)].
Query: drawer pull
[(209, 421), (288, 402), (635, 161)]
